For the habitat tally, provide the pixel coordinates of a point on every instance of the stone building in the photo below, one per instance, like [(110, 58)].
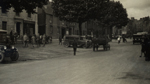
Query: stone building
[(141, 25), (18, 22), (50, 25)]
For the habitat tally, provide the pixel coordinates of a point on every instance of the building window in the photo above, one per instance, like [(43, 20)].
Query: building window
[(4, 25), (3, 10), (17, 14), (29, 14)]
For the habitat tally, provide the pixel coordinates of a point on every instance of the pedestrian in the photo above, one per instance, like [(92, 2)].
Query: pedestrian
[(124, 39), (147, 48), (25, 40), (44, 40), (15, 37), (142, 45), (94, 42), (118, 39), (38, 40), (60, 40), (50, 38), (74, 46), (33, 40)]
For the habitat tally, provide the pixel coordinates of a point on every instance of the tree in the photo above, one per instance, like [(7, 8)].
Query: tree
[(19, 5), (78, 11), (113, 15)]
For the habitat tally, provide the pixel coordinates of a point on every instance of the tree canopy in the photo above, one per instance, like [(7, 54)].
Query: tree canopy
[(115, 15), (19, 5), (77, 10)]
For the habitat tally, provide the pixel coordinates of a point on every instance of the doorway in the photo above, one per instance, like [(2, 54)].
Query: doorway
[(18, 28), (63, 32)]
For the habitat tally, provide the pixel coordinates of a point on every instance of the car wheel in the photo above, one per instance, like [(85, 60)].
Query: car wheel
[(1, 57), (15, 56)]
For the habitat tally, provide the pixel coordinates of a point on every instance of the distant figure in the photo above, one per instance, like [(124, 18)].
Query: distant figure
[(41, 39), (15, 37), (44, 40), (25, 40), (124, 39), (143, 46), (118, 39), (50, 38), (60, 40), (38, 40), (33, 40), (74, 46)]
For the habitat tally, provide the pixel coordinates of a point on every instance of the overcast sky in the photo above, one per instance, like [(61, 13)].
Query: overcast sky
[(136, 8)]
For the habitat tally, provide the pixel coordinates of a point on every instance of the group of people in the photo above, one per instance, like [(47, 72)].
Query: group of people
[(145, 47), (36, 40)]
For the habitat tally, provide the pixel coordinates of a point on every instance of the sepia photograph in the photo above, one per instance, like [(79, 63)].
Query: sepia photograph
[(74, 42)]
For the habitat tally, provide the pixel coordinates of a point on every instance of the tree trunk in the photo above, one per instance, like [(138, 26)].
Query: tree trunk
[(80, 29)]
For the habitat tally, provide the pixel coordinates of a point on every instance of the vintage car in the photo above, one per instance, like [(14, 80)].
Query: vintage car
[(101, 40), (83, 41), (137, 38), (6, 50)]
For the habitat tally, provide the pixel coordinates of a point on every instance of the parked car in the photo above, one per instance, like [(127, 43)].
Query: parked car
[(83, 41), (101, 40), (7, 50), (137, 38)]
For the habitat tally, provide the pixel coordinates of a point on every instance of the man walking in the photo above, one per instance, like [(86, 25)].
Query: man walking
[(74, 46)]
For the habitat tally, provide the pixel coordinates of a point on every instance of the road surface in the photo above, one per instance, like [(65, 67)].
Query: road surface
[(120, 65)]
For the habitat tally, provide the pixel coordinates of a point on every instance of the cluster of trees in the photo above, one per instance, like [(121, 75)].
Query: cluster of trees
[(104, 11)]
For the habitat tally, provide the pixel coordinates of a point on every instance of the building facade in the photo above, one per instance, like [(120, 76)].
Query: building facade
[(18, 22), (50, 25)]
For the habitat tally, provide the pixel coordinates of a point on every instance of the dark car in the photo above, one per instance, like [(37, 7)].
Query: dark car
[(6, 49), (82, 41), (137, 38)]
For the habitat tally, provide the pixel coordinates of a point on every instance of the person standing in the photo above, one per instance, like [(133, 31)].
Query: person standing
[(74, 46), (44, 40), (60, 40), (38, 40), (33, 40), (118, 39), (143, 46), (25, 40)]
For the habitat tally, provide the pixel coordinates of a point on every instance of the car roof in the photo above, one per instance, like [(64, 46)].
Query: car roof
[(3, 30)]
